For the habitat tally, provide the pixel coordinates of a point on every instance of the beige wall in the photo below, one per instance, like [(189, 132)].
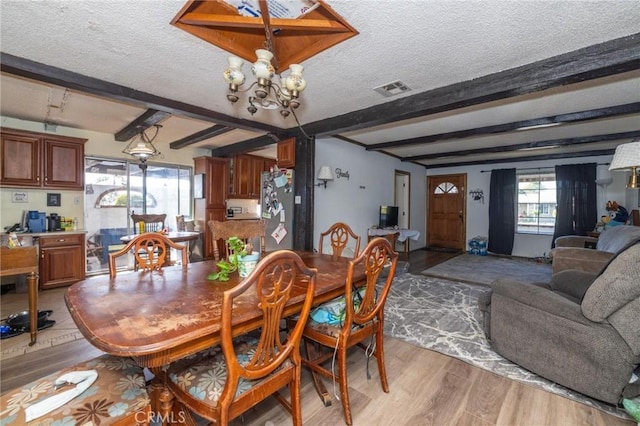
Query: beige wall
[(72, 202)]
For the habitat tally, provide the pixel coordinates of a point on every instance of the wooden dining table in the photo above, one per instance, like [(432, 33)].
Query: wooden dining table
[(158, 317)]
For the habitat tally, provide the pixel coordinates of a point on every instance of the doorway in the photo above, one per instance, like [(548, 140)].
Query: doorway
[(402, 199), (446, 211)]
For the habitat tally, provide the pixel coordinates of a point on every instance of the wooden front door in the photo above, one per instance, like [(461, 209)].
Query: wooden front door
[(446, 218)]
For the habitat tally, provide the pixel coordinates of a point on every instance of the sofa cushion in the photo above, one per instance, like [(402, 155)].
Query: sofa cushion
[(615, 296), (615, 239)]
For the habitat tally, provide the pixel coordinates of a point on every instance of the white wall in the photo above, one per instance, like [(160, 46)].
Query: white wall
[(371, 183), (533, 245), (72, 202)]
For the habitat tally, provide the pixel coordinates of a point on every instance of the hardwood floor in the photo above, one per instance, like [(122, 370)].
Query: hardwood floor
[(427, 388)]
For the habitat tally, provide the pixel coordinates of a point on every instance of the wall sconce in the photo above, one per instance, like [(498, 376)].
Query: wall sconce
[(627, 156), (324, 175)]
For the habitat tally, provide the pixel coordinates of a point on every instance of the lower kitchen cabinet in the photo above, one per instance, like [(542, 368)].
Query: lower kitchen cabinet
[(61, 260)]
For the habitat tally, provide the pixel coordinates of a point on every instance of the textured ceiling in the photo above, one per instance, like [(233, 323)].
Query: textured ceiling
[(425, 44)]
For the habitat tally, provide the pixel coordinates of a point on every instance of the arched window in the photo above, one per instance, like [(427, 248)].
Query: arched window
[(117, 197), (446, 188)]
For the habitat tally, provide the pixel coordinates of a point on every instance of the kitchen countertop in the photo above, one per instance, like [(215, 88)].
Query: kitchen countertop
[(243, 216)]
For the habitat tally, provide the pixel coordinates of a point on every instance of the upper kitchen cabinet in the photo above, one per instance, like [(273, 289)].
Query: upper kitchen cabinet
[(247, 171), (287, 153), (31, 159)]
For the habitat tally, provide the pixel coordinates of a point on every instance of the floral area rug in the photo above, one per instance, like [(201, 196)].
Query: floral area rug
[(443, 316)]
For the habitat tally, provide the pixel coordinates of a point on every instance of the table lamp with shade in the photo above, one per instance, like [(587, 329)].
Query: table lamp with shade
[(627, 156)]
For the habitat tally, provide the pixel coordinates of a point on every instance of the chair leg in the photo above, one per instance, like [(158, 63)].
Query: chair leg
[(296, 409), (317, 381), (344, 387), (382, 371)]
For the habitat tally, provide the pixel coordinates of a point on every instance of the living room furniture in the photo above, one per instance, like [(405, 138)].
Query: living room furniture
[(340, 237), (160, 318), (404, 235), (224, 381), (362, 319), (580, 330), (572, 252)]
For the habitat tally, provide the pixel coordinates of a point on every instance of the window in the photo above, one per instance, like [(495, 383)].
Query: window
[(536, 202), (119, 197)]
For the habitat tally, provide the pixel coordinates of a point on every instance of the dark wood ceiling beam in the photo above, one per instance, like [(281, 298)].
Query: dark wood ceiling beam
[(542, 157), (246, 146), (572, 117), (528, 145), (149, 118), (592, 62), (200, 136), (37, 71)]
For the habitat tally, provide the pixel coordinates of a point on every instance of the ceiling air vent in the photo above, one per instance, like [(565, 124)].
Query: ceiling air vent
[(391, 89)]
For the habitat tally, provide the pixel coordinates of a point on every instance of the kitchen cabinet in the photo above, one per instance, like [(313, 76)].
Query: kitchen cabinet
[(216, 186), (35, 160), (61, 260), (247, 173), (287, 153)]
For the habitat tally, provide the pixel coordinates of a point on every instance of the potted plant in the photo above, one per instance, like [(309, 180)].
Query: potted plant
[(241, 258)]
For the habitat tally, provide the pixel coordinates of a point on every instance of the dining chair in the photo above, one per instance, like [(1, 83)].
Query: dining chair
[(226, 380), (246, 230), (340, 235), (152, 222), (150, 251), (351, 324)]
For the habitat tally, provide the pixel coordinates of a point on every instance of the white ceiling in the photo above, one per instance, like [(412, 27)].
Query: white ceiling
[(426, 44)]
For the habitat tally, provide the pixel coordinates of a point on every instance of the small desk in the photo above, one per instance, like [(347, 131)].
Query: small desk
[(404, 237), (24, 260)]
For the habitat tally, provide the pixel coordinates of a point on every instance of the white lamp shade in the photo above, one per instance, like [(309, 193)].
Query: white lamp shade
[(262, 67), (295, 81), (626, 156), (234, 74), (325, 173)]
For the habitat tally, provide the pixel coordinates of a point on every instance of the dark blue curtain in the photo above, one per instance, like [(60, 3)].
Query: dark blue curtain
[(502, 211), (576, 198)]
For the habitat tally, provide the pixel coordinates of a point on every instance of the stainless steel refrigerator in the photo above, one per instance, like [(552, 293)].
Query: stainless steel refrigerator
[(276, 207)]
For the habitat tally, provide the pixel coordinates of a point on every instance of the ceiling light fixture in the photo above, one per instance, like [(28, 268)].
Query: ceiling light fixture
[(268, 94), (142, 148), (627, 156)]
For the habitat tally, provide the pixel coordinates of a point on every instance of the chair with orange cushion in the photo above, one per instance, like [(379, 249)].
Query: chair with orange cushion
[(341, 237), (226, 380), (352, 324)]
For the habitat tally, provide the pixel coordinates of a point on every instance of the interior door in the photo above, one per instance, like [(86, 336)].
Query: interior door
[(402, 182), (446, 211)]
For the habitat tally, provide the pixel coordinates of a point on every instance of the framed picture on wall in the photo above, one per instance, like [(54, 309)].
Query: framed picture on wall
[(53, 199)]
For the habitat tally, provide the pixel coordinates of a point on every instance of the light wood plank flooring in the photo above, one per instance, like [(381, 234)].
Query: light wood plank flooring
[(427, 388)]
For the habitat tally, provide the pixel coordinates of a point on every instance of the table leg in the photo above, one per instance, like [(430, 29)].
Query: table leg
[(32, 285)]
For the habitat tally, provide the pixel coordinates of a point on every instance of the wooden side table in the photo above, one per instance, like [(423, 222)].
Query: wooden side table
[(24, 260)]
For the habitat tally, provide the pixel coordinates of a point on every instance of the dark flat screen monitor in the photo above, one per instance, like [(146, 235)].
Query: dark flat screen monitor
[(388, 216)]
